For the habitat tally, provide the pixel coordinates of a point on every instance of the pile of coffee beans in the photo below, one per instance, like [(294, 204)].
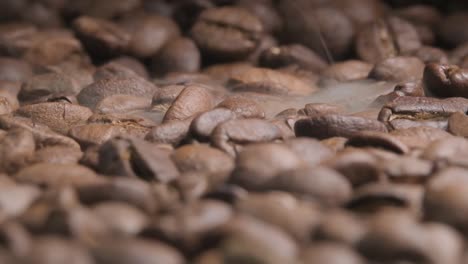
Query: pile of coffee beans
[(233, 132)]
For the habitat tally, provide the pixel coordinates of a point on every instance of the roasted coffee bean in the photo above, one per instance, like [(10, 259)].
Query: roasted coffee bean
[(230, 135), (113, 70), (378, 140), (310, 150), (95, 92), (243, 106), (121, 103), (446, 80), (203, 125), (449, 150), (295, 216), (177, 55), (419, 137), (333, 253), (227, 33), (193, 100), (409, 111), (342, 226), (102, 38), (121, 218), (295, 54), (408, 170), (266, 12), (331, 125), (457, 124), (16, 149), (333, 35), (44, 86), (258, 164), (149, 33), (16, 198), (57, 154), (14, 70), (266, 81), (451, 28), (398, 69), (430, 54)]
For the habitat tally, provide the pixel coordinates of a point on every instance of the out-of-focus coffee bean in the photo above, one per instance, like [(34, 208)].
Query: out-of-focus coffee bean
[(333, 253), (192, 185), (203, 125), (122, 218), (446, 80), (258, 164), (239, 30), (341, 226), (60, 117), (344, 71), (310, 150), (408, 170), (420, 14), (410, 111), (132, 191), (419, 137), (57, 154), (231, 135), (189, 225), (262, 80), (398, 69), (149, 33), (378, 196), (201, 158), (56, 250), (113, 70), (457, 124), (46, 174), (14, 70), (15, 238), (251, 240), (243, 106), (43, 86), (173, 132), (121, 103), (266, 12), (16, 149), (133, 250), (16, 198), (101, 8), (296, 217), (358, 166), (397, 236), (102, 38), (191, 101), (428, 54), (361, 11), (377, 140), (323, 184), (95, 134), (294, 54), (133, 64), (177, 55), (452, 30), (330, 125), (448, 150), (317, 30), (95, 92)]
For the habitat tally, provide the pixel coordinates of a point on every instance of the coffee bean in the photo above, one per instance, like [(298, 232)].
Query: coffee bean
[(419, 137), (191, 101), (56, 250), (310, 150), (14, 70), (295, 54), (330, 125), (447, 151), (430, 54), (121, 103), (342, 226), (123, 219), (203, 125), (230, 135), (345, 71), (398, 69), (239, 29), (17, 148), (173, 132), (177, 55), (451, 28), (43, 86), (378, 140), (243, 106), (446, 80), (331, 253)]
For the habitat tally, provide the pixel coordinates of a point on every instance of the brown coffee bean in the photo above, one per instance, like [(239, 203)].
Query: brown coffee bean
[(193, 100), (371, 198), (203, 125), (16, 198), (409, 111), (16, 239), (243, 106), (446, 80), (192, 185), (43, 136), (323, 184), (374, 42), (133, 250), (177, 55), (397, 236), (55, 175), (16, 149), (342, 226), (188, 226), (173, 132), (330, 125), (448, 150), (44, 86), (398, 69), (295, 54), (421, 14), (113, 70), (295, 216), (132, 191), (345, 71), (149, 33), (56, 250), (239, 30), (215, 164), (377, 140), (231, 135), (266, 12), (317, 30), (310, 150), (457, 124), (95, 134), (419, 137), (121, 103), (361, 11), (258, 164), (408, 170), (57, 154), (333, 253), (451, 28), (430, 54), (262, 80), (14, 70), (95, 92), (121, 218), (358, 166), (60, 117)]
